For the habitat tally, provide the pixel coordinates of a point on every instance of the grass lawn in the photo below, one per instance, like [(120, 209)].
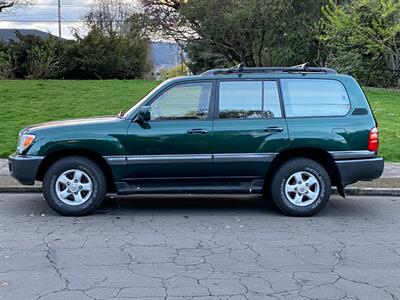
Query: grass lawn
[(386, 107), (29, 102)]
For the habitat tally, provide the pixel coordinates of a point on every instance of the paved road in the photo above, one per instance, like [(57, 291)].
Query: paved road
[(207, 248)]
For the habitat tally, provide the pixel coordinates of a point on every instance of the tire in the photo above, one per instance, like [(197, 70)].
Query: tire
[(80, 197), (300, 187)]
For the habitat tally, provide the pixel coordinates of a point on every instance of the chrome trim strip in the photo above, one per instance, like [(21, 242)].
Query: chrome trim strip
[(359, 160), (244, 157), (357, 154), (190, 158), (26, 157), (201, 179), (116, 159), (173, 158)]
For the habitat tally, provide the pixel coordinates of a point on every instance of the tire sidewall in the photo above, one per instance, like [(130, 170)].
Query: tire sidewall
[(284, 174), (60, 167)]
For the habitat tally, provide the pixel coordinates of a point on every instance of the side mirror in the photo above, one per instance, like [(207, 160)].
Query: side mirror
[(144, 114)]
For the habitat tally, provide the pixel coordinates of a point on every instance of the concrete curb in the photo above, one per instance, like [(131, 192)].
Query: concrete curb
[(350, 191), (355, 191), (20, 189)]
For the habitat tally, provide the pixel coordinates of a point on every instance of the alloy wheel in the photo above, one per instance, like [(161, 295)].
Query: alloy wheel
[(302, 188), (74, 187)]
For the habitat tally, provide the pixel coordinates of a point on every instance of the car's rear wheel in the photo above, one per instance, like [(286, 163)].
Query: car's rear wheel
[(74, 186), (301, 187)]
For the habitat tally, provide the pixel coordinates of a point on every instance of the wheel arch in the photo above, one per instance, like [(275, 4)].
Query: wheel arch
[(319, 155), (87, 153)]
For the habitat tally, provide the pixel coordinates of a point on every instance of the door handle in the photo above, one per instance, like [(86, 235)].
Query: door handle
[(273, 129), (197, 131)]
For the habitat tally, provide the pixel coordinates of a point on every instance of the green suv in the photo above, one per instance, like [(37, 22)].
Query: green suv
[(287, 133)]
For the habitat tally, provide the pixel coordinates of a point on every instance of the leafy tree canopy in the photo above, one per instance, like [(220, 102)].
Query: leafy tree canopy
[(256, 32), (363, 37)]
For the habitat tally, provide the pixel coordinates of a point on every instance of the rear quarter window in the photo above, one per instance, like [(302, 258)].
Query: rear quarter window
[(314, 98)]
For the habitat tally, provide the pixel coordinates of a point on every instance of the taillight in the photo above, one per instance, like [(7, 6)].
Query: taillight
[(373, 140)]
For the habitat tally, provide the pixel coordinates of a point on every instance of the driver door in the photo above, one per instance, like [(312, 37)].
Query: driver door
[(176, 142)]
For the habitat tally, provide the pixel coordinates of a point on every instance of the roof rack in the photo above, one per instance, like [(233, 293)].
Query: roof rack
[(241, 69)]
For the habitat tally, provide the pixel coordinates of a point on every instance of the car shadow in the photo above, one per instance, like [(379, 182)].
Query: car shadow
[(186, 202), (34, 204), (206, 204)]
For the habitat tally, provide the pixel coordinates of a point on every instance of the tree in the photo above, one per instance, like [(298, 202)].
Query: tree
[(116, 46), (43, 59), (256, 32), (6, 65), (4, 5), (20, 50), (363, 37), (7, 5), (180, 70), (118, 18), (109, 17), (96, 56)]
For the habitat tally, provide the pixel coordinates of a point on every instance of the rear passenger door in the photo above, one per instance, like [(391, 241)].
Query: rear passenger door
[(249, 128)]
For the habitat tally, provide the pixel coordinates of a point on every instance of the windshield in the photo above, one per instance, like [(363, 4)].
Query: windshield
[(130, 112)]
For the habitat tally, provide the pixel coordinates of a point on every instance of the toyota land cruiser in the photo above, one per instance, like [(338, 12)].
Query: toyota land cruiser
[(288, 133)]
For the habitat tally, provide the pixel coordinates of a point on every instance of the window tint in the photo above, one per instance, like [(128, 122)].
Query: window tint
[(245, 100), (185, 101), (314, 98)]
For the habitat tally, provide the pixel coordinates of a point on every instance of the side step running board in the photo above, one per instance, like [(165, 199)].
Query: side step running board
[(124, 188)]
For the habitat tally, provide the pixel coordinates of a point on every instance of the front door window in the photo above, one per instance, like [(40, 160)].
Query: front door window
[(183, 102)]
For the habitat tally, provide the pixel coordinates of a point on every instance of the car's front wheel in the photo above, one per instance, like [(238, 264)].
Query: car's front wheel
[(301, 187), (74, 186)]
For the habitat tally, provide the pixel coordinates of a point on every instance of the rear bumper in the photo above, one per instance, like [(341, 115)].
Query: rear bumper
[(351, 171), (24, 168)]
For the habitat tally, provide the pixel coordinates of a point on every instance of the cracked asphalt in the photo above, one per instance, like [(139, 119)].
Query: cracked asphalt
[(199, 248)]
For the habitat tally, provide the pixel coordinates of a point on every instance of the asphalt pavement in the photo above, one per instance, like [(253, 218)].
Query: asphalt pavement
[(199, 248)]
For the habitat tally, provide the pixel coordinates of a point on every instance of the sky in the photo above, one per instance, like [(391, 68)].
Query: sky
[(43, 15)]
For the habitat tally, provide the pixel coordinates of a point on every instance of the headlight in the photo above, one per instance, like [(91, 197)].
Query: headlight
[(24, 141)]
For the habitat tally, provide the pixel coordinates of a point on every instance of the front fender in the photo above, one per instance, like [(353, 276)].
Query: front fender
[(102, 144)]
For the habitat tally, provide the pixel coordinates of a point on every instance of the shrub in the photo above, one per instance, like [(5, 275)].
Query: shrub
[(43, 60), (6, 65)]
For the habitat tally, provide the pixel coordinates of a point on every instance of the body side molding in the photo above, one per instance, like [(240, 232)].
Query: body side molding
[(357, 154), (190, 158), (244, 157)]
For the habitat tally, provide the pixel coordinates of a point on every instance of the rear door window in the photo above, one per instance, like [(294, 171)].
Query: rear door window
[(249, 100), (314, 98)]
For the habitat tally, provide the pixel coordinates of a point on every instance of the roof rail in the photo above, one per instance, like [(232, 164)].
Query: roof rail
[(240, 69)]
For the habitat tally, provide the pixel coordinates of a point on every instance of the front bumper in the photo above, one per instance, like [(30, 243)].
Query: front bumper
[(24, 167), (351, 171)]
